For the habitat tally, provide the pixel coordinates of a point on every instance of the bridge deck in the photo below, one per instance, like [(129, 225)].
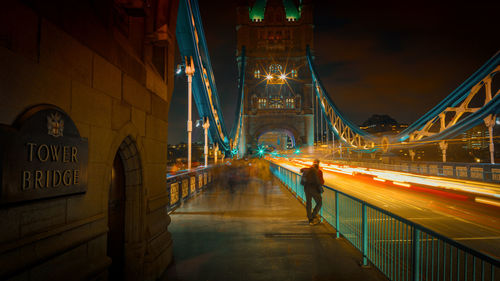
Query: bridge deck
[(256, 230)]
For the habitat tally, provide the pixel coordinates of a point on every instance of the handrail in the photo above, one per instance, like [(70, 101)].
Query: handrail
[(186, 172), (291, 178), (488, 172), (183, 186)]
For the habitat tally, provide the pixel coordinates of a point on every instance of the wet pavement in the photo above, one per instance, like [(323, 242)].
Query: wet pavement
[(250, 228)]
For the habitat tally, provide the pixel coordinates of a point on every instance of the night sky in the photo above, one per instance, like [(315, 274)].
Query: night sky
[(376, 57)]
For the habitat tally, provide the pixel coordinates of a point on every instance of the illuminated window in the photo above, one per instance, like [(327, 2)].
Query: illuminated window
[(290, 103), (275, 103), (294, 73), (256, 74), (262, 103), (275, 68)]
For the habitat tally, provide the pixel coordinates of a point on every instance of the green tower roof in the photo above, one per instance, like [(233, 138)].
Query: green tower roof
[(259, 7), (292, 11)]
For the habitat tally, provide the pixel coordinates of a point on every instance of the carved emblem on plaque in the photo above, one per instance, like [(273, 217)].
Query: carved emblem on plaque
[(55, 125)]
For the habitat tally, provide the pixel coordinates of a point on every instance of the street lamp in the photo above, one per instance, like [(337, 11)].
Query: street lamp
[(216, 149), (206, 125), (189, 69), (179, 69), (283, 76)]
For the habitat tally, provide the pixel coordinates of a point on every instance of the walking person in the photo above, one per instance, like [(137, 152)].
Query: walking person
[(312, 179)]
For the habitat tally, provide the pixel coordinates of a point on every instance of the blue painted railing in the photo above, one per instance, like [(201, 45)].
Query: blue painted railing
[(399, 248)]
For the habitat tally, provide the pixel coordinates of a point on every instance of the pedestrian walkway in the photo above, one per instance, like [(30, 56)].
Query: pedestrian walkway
[(257, 230)]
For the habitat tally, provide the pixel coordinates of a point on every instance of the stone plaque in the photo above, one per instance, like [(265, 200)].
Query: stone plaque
[(42, 155)]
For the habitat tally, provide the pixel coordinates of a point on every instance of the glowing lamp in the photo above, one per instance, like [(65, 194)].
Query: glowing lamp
[(269, 77), (282, 76)]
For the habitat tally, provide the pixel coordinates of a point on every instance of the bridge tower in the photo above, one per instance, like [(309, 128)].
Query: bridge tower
[(278, 101)]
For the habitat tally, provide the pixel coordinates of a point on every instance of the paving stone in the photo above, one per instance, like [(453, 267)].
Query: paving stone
[(257, 231)]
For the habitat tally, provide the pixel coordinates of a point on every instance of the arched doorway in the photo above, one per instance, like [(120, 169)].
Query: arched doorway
[(124, 211), (116, 219)]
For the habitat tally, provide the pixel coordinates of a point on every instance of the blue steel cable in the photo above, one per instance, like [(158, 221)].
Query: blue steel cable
[(457, 96), (191, 41), (239, 106)]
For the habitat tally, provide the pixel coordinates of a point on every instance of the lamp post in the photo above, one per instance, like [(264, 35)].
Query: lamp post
[(443, 145), (189, 72), (206, 125), (216, 149), (490, 122)]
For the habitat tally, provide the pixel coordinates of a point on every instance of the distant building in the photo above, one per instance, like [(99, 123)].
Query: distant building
[(179, 152), (382, 125), (476, 138)]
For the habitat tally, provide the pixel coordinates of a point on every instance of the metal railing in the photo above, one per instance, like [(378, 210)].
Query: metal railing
[(485, 172), (183, 186), (399, 248), (469, 171)]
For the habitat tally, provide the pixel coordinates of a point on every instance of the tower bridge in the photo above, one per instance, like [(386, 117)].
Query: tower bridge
[(281, 91), (277, 86)]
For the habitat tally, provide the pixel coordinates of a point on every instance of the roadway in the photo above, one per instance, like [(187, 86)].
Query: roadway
[(453, 212)]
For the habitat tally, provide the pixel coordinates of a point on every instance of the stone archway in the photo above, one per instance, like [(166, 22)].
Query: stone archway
[(130, 163), (300, 126), (279, 133), (292, 132)]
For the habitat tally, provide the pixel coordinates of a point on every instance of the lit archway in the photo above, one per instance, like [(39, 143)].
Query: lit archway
[(279, 139)]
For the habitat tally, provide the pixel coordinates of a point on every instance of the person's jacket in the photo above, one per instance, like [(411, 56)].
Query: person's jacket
[(319, 172)]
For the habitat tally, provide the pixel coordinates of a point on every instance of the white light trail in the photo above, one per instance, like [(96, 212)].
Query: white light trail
[(478, 188), (487, 201), (401, 184)]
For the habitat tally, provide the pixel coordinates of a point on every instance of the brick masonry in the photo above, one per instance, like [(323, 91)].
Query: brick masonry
[(107, 85)]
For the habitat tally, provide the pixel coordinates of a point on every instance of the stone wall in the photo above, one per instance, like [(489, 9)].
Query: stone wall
[(117, 100)]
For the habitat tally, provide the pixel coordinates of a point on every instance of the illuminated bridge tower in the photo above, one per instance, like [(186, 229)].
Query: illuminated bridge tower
[(277, 105)]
